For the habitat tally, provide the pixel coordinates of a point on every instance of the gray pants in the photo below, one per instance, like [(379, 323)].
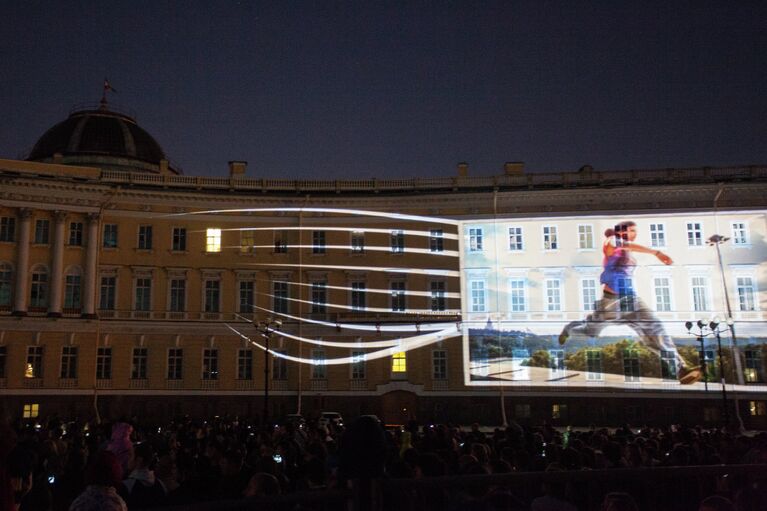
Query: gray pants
[(631, 311)]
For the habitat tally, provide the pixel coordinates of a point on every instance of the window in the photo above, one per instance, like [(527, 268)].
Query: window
[(279, 367), (593, 365), (358, 365), (319, 297), (319, 369), (631, 370), (358, 296), (175, 363), (399, 362), (145, 237), (550, 240), (3, 360), (477, 295), (107, 293), (76, 234), (517, 295), (662, 294), (475, 239), (109, 239), (210, 364), (516, 242), (213, 240), (7, 228), (42, 231), (318, 242), (626, 294), (38, 293), (437, 295), (694, 234), (68, 362), (558, 411), (556, 363), (34, 367), (397, 296), (358, 242), (668, 365), (280, 242), (6, 285), (553, 295), (247, 296), (745, 286), (757, 408), (143, 294), (753, 369), (139, 363), (739, 233), (436, 240), (585, 237), (72, 292), (178, 239), (439, 365), (657, 235), (31, 411), (397, 242), (699, 287), (280, 296), (589, 294), (212, 301), (247, 242), (178, 295), (709, 364), (104, 364), (245, 364)]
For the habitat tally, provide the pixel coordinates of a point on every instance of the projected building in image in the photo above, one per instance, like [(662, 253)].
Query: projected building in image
[(129, 288)]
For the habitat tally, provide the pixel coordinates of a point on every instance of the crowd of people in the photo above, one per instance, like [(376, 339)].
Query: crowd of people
[(128, 464)]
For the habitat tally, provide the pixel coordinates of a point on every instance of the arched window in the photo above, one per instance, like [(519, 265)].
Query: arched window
[(73, 290), (6, 286), (38, 291)]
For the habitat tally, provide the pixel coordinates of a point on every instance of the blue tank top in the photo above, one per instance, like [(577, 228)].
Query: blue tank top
[(618, 270)]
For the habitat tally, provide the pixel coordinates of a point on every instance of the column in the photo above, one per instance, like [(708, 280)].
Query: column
[(91, 267), (22, 263), (57, 264)]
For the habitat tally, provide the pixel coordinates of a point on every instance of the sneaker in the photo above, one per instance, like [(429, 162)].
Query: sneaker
[(563, 337), (689, 375)]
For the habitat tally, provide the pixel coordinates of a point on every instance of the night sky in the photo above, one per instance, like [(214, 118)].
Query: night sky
[(326, 90)]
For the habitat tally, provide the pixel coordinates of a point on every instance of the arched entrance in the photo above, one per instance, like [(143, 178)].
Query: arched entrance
[(399, 407)]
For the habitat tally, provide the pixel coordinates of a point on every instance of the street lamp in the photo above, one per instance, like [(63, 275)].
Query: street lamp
[(266, 328), (705, 330), (688, 325)]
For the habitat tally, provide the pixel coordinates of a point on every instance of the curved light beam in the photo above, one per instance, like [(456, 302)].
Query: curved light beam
[(419, 271)]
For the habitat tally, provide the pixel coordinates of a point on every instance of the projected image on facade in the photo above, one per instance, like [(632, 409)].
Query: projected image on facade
[(615, 301)]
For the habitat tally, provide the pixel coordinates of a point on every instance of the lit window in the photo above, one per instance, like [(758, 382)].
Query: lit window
[(399, 362), (213, 240), (558, 411), (757, 408), (31, 411), (247, 242)]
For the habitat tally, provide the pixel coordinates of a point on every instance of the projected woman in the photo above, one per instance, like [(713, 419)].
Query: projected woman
[(620, 304)]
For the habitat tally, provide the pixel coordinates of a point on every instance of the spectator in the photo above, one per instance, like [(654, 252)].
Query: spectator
[(142, 488), (102, 477)]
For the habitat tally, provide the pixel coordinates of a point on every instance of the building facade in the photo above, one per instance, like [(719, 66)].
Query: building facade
[(127, 288)]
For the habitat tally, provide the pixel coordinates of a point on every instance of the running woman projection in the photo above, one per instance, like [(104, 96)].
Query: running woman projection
[(620, 304)]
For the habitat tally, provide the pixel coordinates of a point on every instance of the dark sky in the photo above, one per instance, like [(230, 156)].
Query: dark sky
[(386, 89)]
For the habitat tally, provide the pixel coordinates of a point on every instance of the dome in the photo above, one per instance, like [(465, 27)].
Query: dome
[(102, 138)]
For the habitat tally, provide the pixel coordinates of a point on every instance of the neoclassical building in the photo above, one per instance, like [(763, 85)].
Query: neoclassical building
[(129, 288)]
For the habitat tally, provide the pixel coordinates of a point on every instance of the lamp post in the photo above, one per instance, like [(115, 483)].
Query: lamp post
[(266, 328), (705, 330)]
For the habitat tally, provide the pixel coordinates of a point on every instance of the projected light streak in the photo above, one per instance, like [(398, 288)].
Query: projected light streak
[(387, 310), (347, 248), (355, 326), (358, 212), (367, 290), (335, 344), (405, 345), (407, 232), (419, 271)]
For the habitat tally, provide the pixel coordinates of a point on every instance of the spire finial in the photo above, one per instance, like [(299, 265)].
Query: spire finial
[(107, 87)]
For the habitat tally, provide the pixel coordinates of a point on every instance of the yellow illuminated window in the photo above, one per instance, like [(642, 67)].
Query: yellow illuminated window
[(213, 240), (399, 362), (757, 408), (31, 411)]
